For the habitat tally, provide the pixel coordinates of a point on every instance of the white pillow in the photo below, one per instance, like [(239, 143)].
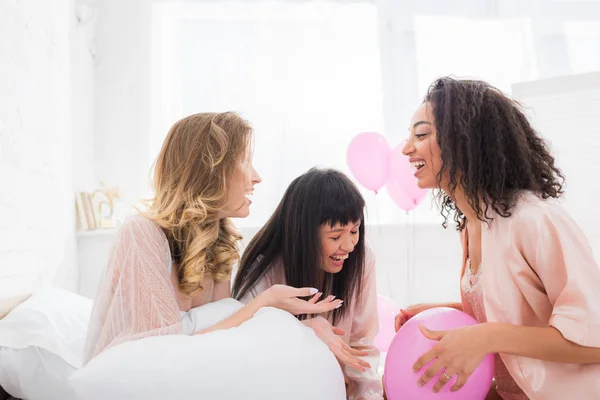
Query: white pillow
[(271, 356), (41, 344)]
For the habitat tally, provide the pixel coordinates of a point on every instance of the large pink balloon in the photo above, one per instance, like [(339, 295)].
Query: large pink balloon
[(409, 344), (369, 155), (402, 186), (387, 310)]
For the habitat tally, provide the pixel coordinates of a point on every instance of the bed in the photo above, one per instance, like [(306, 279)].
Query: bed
[(271, 356)]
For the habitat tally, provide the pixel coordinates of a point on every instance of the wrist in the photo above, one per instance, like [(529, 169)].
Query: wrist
[(491, 334), (260, 301)]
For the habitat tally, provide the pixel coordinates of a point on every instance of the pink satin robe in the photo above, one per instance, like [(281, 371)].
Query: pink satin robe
[(539, 270), (361, 325)]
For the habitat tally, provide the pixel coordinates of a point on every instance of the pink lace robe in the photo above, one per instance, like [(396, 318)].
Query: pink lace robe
[(138, 297)]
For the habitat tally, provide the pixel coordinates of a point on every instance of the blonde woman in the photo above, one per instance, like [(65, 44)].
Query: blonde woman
[(178, 255)]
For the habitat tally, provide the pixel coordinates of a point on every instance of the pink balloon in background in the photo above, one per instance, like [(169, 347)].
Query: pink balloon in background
[(402, 200), (369, 157), (387, 310), (402, 187), (409, 344)]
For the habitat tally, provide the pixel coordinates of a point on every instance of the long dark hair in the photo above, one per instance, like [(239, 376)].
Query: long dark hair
[(292, 235), (489, 148)]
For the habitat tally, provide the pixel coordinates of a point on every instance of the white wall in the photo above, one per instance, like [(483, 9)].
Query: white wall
[(122, 96), (83, 63), (37, 238), (565, 110)]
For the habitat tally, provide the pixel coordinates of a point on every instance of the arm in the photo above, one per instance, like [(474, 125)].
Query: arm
[(558, 252), (239, 317), (457, 306), (566, 275), (284, 297), (541, 343)]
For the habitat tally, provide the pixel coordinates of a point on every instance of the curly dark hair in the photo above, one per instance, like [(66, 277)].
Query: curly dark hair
[(489, 148)]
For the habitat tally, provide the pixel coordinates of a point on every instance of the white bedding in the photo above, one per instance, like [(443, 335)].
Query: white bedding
[(272, 356)]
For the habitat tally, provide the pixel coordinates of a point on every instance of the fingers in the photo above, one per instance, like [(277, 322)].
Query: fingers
[(356, 352), (322, 307), (460, 382), (411, 311), (316, 297), (353, 351), (398, 321), (304, 307), (300, 292), (433, 335), (328, 299), (430, 373), (425, 358), (338, 331), (445, 377), (351, 361)]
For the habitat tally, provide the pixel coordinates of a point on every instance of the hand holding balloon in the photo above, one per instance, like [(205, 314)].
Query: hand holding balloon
[(458, 353), (415, 348)]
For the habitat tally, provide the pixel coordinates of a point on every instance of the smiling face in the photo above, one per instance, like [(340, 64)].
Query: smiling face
[(422, 148), (337, 242)]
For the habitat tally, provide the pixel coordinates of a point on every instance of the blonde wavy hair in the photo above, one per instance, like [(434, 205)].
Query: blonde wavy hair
[(192, 176)]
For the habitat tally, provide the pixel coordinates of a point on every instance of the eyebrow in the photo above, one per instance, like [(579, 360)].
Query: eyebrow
[(419, 123), (341, 229)]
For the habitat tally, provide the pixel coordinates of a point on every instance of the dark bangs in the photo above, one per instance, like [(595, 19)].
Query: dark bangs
[(340, 200)]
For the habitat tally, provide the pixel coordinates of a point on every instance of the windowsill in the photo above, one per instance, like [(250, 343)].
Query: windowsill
[(97, 232)]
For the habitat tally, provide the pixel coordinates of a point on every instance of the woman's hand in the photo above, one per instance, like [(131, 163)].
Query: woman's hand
[(458, 352), (331, 336), (407, 313), (286, 298)]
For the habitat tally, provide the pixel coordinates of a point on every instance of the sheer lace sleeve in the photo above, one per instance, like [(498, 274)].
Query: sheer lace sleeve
[(136, 298), (363, 329)]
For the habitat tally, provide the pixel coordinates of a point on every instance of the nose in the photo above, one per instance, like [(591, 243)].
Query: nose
[(347, 245), (256, 179), (408, 148)]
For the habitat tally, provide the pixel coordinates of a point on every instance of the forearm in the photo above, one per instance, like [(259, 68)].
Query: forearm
[(457, 306), (236, 319), (541, 343)]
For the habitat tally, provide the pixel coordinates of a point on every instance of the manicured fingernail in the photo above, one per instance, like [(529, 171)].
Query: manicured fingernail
[(339, 305), (332, 299), (313, 290)]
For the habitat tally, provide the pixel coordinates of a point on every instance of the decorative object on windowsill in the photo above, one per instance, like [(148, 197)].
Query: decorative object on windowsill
[(96, 210)]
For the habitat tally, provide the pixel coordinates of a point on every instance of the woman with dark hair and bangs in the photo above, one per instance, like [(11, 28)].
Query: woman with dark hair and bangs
[(315, 238)]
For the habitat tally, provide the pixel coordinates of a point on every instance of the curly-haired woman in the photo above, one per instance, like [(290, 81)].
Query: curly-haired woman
[(528, 273), (178, 254)]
